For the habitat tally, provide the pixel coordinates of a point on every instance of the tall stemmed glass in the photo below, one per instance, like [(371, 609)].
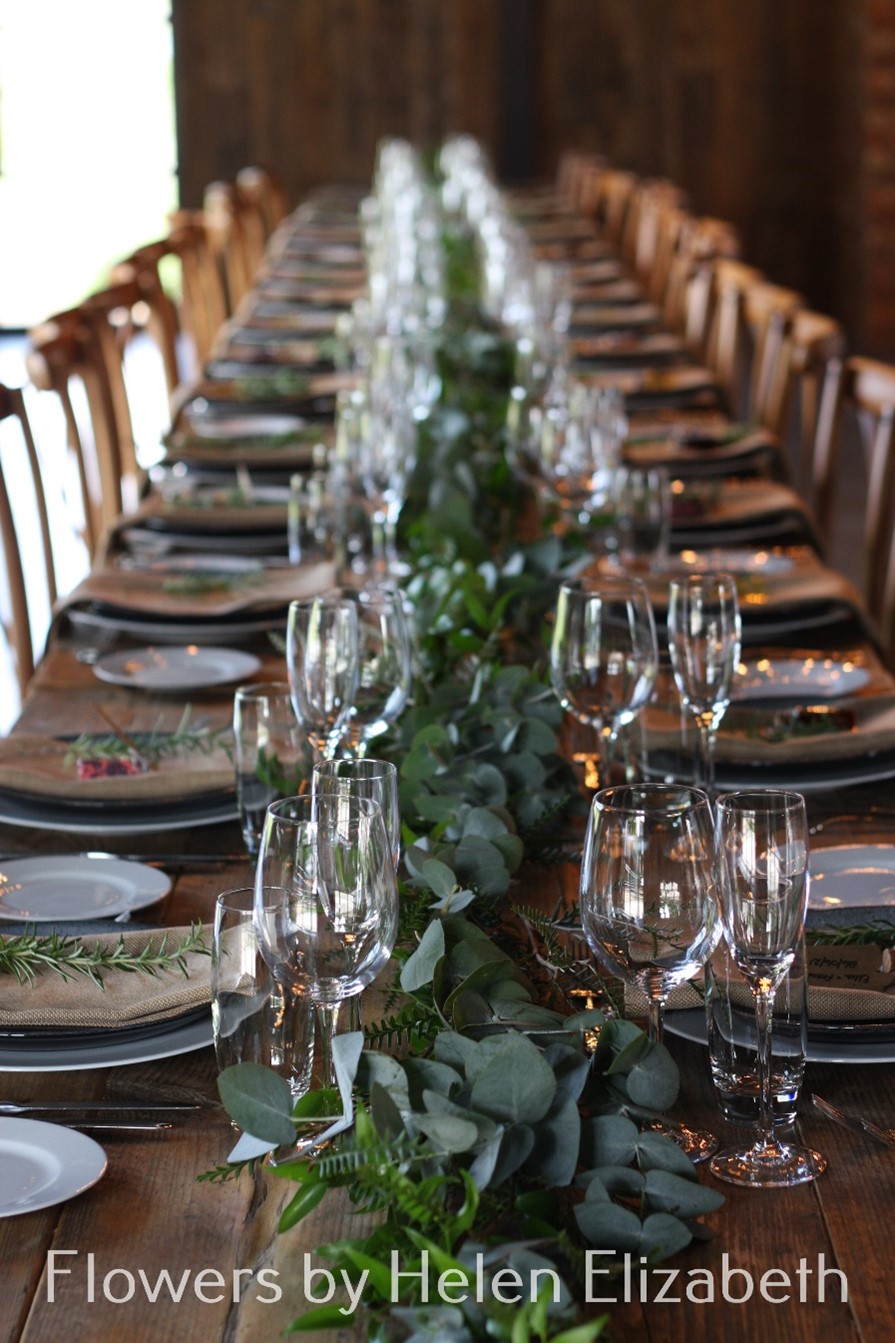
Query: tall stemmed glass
[(704, 640), (762, 854), (384, 675), (373, 779), (332, 927), (323, 660), (647, 898), (604, 657)]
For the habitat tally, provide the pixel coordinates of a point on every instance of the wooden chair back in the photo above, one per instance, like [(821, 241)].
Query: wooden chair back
[(237, 238), (743, 304), (144, 269), (686, 302), (791, 364), (262, 191), (64, 353), (204, 301), (865, 388), (12, 407)]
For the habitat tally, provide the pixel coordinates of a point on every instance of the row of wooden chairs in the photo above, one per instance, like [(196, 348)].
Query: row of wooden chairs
[(778, 363), (178, 290)]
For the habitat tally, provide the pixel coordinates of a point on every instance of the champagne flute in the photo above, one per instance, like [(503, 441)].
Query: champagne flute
[(704, 639), (647, 898), (762, 848), (383, 685), (323, 660), (332, 927), (604, 657)]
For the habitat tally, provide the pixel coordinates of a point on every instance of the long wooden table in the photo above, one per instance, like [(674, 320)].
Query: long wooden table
[(93, 1268)]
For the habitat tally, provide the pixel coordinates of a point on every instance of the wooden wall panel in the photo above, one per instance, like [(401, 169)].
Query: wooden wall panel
[(770, 113), (310, 86)]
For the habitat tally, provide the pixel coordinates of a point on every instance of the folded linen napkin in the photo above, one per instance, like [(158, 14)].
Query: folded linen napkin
[(157, 593), (123, 999), (40, 766)]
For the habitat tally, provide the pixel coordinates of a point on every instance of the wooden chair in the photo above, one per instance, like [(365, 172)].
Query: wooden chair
[(64, 358), (204, 298), (866, 389), (263, 192), (742, 307), (686, 302), (792, 358), (18, 631), (144, 269), (236, 233), (610, 201), (652, 201)]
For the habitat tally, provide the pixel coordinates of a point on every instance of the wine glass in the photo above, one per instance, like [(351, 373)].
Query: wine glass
[(333, 926), (604, 656), (647, 898), (704, 638), (762, 852), (383, 684), (375, 779), (323, 660)]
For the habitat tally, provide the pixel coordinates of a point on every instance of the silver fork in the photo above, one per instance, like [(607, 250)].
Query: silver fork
[(854, 1122)]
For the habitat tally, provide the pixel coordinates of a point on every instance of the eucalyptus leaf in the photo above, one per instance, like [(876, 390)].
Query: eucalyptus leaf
[(259, 1101), (448, 1132), (376, 1067), (554, 1156), (438, 876), (478, 863), (667, 1192), (454, 1050), (608, 1140), (419, 968), (515, 1148), (516, 1084)]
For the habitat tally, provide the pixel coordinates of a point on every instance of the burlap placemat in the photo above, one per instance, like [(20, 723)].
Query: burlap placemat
[(123, 999), (158, 593)]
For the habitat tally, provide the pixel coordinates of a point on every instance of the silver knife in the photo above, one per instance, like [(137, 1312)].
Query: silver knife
[(99, 1108), (853, 1124)]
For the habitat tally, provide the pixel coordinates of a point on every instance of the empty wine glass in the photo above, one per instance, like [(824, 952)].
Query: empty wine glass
[(323, 660), (704, 638), (332, 928), (384, 675), (762, 855), (604, 656), (647, 897), (641, 500), (374, 779)]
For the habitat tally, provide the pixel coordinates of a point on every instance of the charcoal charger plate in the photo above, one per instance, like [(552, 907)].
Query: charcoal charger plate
[(60, 1037), (165, 1042), (173, 629), (133, 818), (828, 1042)]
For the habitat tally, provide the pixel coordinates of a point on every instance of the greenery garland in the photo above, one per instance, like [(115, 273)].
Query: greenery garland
[(493, 1082)]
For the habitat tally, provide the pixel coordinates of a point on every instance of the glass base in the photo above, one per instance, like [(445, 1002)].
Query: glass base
[(774, 1166), (697, 1144)]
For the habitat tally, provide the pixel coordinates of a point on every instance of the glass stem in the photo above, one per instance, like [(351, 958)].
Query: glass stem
[(764, 1013), (707, 751), (326, 1016), (655, 1019), (378, 537)]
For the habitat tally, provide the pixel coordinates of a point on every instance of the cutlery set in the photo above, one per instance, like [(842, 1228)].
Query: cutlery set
[(106, 1116)]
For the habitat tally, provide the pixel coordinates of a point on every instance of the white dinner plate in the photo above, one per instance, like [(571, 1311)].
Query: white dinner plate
[(39, 890), (188, 667), (804, 679), (208, 564), (171, 1040), (690, 1025), (852, 876), (204, 423), (43, 1164)]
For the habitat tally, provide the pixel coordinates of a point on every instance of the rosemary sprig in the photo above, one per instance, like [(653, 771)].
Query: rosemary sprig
[(195, 584), (154, 746), (854, 934), (25, 954)]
